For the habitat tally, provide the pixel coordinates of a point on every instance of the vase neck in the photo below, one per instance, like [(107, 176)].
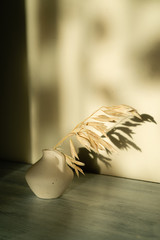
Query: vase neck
[(54, 157), (47, 153)]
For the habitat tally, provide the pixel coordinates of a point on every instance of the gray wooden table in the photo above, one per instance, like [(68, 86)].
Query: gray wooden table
[(93, 207)]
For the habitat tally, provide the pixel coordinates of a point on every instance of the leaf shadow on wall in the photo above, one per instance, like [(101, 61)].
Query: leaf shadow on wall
[(121, 137)]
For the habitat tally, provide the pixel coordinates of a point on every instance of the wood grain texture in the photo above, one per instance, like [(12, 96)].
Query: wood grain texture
[(93, 207)]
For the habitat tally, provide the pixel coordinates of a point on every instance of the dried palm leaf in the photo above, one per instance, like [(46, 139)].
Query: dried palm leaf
[(73, 151), (104, 118), (94, 145), (100, 127), (84, 141), (95, 136), (102, 123), (73, 164)]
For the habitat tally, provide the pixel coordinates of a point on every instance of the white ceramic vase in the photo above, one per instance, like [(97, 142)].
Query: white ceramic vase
[(50, 176)]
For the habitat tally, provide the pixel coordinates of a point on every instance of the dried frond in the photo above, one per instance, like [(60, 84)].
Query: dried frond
[(121, 111), (107, 145), (93, 144), (73, 151), (98, 132), (84, 141), (95, 124), (76, 171), (104, 118), (80, 170), (95, 136), (78, 163), (69, 160), (82, 133), (73, 164), (100, 127)]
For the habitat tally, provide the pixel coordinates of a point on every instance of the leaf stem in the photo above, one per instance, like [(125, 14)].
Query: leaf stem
[(62, 140), (73, 131)]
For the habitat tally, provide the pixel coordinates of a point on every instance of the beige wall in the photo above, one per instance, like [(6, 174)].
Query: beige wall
[(84, 54)]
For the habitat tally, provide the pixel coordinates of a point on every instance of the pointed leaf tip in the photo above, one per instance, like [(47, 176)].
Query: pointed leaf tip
[(73, 151)]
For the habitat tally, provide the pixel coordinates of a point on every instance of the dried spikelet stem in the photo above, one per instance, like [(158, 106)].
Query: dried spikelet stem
[(73, 164), (84, 142), (63, 139), (73, 150), (112, 116)]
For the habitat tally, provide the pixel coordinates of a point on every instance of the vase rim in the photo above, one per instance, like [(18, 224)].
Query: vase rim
[(51, 150)]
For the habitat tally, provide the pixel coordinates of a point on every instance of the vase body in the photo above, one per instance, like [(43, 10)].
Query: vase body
[(50, 176)]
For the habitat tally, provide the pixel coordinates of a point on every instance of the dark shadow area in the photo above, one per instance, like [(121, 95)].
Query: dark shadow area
[(47, 99), (14, 121), (90, 160), (100, 29), (46, 95), (151, 60), (47, 18), (145, 118), (120, 136), (107, 92), (120, 141), (8, 168), (48, 102)]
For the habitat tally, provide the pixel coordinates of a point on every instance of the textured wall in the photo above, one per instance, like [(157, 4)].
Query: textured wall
[(84, 54)]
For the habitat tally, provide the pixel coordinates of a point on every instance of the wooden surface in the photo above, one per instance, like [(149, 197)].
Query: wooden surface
[(93, 207)]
